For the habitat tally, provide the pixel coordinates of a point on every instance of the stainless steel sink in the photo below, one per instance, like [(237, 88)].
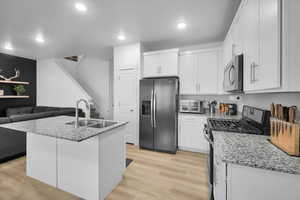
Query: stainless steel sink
[(83, 122), (92, 123), (103, 124)]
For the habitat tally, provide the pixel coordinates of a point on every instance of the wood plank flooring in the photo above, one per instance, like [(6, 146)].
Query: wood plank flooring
[(150, 176)]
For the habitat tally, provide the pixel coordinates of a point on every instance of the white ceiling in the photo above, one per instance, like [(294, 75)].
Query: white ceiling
[(68, 32)]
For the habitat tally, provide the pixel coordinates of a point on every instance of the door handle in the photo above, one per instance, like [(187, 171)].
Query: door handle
[(154, 111), (151, 108)]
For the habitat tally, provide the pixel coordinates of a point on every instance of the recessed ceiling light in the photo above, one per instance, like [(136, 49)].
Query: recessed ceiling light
[(39, 38), (8, 46), (121, 37), (81, 7), (181, 25)]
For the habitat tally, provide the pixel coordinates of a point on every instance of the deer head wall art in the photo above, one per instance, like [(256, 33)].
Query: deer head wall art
[(17, 75)]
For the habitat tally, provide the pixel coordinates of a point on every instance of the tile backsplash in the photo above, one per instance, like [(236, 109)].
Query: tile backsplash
[(258, 100)]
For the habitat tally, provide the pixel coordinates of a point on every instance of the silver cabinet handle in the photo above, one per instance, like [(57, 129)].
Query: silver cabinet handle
[(151, 108), (252, 72)]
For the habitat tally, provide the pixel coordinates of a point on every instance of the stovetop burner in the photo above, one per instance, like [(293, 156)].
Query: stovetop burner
[(231, 125)]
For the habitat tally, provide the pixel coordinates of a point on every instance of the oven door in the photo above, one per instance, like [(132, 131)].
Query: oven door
[(210, 161)]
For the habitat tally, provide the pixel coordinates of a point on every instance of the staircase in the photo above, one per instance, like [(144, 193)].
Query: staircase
[(69, 66)]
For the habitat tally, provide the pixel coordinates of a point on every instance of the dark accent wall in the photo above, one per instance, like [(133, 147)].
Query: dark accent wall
[(27, 68)]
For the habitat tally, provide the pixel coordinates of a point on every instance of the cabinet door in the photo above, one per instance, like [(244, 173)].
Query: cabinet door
[(126, 57), (169, 63), (152, 65), (227, 48), (188, 74), (125, 101), (267, 74), (161, 64), (191, 134), (208, 64), (251, 42)]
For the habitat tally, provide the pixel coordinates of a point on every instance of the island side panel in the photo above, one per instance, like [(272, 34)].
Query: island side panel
[(112, 159), (41, 158), (78, 167)]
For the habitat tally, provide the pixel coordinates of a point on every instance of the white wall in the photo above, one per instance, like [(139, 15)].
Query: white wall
[(95, 77), (54, 87)]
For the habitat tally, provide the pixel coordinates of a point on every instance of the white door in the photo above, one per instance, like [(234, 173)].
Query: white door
[(251, 43), (188, 74), (125, 100), (208, 64)]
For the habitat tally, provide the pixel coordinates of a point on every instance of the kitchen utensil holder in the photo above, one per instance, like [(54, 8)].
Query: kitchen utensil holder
[(286, 136)]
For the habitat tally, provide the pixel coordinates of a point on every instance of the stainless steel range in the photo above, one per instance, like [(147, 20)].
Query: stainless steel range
[(253, 121)]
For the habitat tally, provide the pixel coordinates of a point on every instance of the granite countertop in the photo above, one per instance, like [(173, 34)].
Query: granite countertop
[(57, 127), (253, 151)]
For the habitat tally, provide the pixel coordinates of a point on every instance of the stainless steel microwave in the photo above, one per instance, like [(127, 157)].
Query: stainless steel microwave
[(192, 106), (233, 75)]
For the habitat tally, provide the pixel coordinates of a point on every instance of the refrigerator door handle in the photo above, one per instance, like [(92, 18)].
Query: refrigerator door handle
[(151, 108), (154, 110)]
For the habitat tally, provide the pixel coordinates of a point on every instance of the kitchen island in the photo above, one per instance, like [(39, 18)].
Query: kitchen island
[(88, 161)]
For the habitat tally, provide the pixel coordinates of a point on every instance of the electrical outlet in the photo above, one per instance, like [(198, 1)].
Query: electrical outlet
[(235, 98)]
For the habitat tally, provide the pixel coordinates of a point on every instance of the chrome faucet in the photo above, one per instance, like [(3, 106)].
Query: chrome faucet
[(86, 115)]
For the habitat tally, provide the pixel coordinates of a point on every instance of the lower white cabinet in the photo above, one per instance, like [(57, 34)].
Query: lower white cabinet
[(249, 183), (236, 182), (190, 133)]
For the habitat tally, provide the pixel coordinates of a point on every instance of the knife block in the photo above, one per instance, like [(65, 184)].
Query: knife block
[(286, 136)]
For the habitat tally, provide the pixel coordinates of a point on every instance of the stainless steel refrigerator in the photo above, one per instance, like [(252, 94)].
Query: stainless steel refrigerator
[(159, 114)]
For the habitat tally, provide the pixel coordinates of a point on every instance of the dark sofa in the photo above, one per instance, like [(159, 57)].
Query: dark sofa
[(13, 143)]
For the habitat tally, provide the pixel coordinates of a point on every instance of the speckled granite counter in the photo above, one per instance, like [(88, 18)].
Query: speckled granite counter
[(253, 151), (57, 127)]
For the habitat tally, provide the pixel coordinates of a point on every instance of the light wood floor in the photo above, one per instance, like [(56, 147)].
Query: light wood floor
[(152, 175)]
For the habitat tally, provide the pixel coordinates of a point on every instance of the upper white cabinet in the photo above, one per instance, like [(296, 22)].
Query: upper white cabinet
[(161, 63), (262, 63), (127, 57), (199, 71)]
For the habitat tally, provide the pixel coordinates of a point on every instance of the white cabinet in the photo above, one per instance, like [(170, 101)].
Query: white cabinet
[(252, 183), (127, 57), (199, 72), (126, 89), (190, 133), (41, 158), (188, 74), (161, 63), (207, 75), (262, 44)]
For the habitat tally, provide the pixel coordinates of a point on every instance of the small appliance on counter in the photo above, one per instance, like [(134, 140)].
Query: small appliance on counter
[(192, 106), (285, 131), (212, 106), (228, 109)]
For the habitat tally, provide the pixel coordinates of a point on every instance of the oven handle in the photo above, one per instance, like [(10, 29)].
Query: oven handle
[(205, 133)]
